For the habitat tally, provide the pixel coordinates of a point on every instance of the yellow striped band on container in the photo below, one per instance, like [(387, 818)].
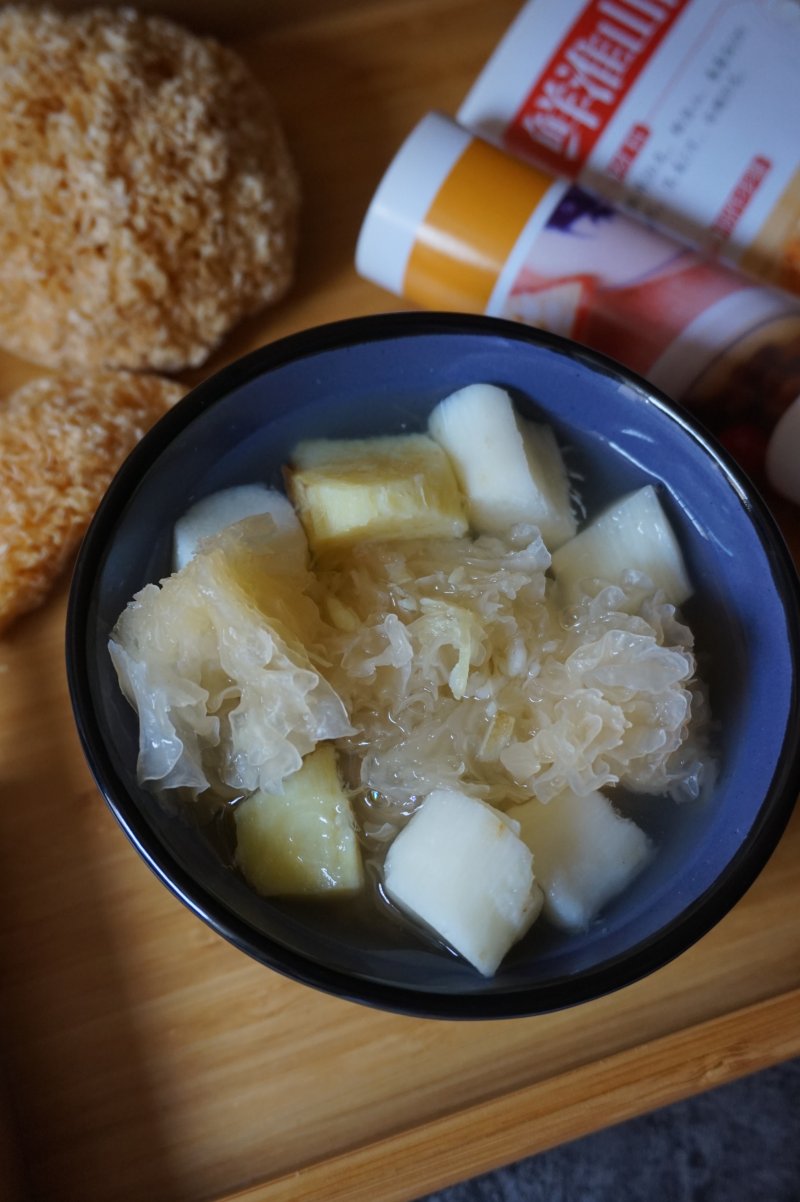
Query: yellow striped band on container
[(471, 228)]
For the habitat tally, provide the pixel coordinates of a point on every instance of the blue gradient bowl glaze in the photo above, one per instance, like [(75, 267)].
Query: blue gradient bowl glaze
[(383, 374)]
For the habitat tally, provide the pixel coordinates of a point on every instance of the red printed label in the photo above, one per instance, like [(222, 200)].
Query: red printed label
[(620, 164), (586, 79), (740, 197)]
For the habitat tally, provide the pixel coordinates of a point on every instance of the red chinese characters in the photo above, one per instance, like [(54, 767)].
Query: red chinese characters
[(587, 77), (740, 197)]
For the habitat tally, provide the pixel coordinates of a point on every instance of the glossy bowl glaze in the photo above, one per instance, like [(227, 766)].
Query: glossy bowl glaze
[(383, 374)]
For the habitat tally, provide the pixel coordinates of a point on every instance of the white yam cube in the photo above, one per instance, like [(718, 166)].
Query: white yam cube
[(633, 534), (216, 512), (302, 841), (511, 470), (460, 868), (584, 854)]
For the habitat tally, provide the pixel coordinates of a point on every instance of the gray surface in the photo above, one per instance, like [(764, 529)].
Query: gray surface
[(738, 1143)]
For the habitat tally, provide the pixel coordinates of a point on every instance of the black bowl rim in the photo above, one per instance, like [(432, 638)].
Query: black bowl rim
[(637, 962)]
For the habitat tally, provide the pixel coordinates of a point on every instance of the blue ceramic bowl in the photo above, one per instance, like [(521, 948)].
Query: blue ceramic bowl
[(383, 374)]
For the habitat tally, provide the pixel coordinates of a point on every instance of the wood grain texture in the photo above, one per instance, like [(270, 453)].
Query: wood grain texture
[(144, 1057), (542, 1115)]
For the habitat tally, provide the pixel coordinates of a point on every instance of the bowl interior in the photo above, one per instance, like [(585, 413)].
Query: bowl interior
[(374, 376)]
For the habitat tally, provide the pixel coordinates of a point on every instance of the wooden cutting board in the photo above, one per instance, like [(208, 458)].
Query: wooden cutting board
[(143, 1057)]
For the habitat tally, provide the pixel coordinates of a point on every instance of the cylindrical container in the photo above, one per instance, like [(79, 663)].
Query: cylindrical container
[(456, 223), (783, 454), (683, 112)]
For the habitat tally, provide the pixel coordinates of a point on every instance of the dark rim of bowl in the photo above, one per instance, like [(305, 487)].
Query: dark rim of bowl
[(637, 962)]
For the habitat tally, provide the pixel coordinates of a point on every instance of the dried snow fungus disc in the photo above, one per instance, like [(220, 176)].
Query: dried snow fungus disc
[(147, 195), (62, 439)]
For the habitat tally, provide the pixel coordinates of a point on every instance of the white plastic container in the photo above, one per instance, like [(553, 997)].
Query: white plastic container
[(684, 112), (456, 223), (783, 454)]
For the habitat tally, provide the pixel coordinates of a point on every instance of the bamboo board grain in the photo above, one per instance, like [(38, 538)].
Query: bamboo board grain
[(144, 1057), (480, 1138)]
